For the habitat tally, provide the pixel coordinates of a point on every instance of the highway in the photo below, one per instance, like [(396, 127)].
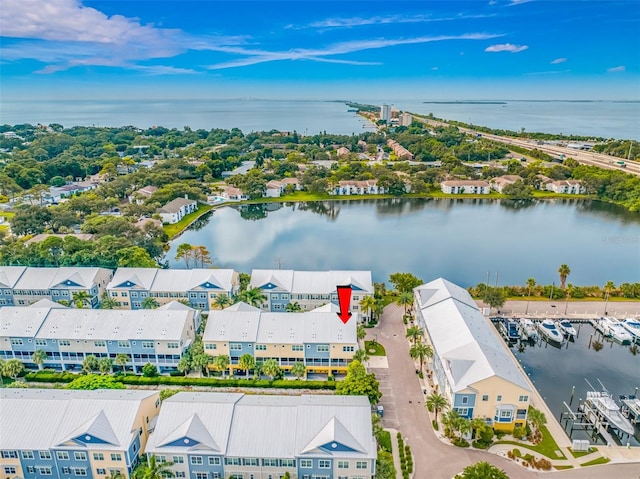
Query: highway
[(586, 157)]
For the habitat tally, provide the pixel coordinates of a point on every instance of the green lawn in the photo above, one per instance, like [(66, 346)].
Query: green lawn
[(597, 461), (562, 468), (547, 447), (577, 454), (384, 441), (177, 228), (374, 348)]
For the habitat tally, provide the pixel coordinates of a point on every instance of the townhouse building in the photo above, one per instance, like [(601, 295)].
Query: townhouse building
[(465, 187), (68, 336), (177, 209), (210, 435), (318, 338), (358, 187), (498, 183), (471, 364), (24, 285), (60, 433), (570, 187), (198, 287), (310, 289)]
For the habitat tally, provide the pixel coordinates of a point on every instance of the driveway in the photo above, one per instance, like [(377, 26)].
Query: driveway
[(404, 410)]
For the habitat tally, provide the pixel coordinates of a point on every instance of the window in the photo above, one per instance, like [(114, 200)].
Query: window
[(523, 398), (80, 456), (343, 464), (16, 341), (235, 347), (210, 346), (196, 460), (178, 459), (31, 469), (41, 342), (485, 397), (64, 342), (99, 344), (232, 461), (66, 470), (9, 470), (270, 463), (116, 456), (147, 344), (180, 474), (62, 455), (499, 397), (361, 464), (123, 344), (322, 348), (27, 454), (306, 463), (98, 456), (465, 399), (201, 475), (288, 462), (45, 471), (505, 413), (348, 349), (214, 461), (44, 454), (261, 347), (79, 471), (250, 461), (462, 411), (161, 459), (297, 347), (173, 345), (102, 472)]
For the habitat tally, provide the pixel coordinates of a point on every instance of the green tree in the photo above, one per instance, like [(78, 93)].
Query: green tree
[(154, 469), (90, 364), (358, 382), (81, 299), (201, 361), (105, 365), (184, 365), (563, 271), (222, 300), (405, 299), (298, 369), (609, 287), (122, 360), (482, 470), (494, 297), (150, 303), (253, 297), (436, 402), (149, 370), (518, 191), (367, 304), (414, 333), (421, 351), (95, 381), (12, 368), (537, 418), (135, 257), (531, 283), (221, 363), (107, 302), (246, 363), (361, 332), (385, 468), (404, 282), (271, 368), (201, 256), (38, 357), (293, 307), (361, 355)]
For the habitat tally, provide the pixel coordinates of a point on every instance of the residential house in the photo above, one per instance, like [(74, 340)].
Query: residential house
[(139, 196), (542, 182), (355, 187), (231, 193), (342, 151), (500, 182), (43, 236), (209, 435), (310, 289), (274, 189), (69, 335), (63, 433), (570, 187), (199, 287), (23, 285), (400, 151), (471, 364), (319, 339), (465, 187), (177, 209)]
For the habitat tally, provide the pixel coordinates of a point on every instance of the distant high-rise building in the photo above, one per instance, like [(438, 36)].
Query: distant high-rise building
[(406, 119), (385, 113)]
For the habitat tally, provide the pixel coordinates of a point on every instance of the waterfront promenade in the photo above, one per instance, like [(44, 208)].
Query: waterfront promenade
[(571, 310)]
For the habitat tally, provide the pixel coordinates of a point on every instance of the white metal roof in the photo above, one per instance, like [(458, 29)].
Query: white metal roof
[(18, 322), (9, 275), (40, 419), (46, 278), (466, 342), (265, 425), (161, 280), (128, 277), (313, 282)]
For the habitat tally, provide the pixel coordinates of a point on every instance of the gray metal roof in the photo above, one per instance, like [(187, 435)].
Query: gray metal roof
[(162, 280), (46, 278), (281, 328), (318, 282), (176, 205), (466, 342), (40, 419), (128, 277), (264, 426), (9, 275)]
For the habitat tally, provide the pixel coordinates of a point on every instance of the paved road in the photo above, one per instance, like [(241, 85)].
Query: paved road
[(403, 402)]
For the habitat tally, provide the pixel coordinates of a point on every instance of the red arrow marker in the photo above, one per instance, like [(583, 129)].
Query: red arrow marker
[(344, 300)]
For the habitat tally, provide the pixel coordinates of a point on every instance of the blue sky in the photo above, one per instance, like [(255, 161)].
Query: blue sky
[(361, 50)]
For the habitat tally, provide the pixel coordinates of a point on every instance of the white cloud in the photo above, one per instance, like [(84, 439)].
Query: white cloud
[(519, 2), (558, 60), (506, 47), (351, 22), (550, 72), (434, 69), (621, 68)]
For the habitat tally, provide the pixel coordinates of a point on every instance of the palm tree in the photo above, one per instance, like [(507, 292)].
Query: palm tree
[(361, 355), (107, 302), (367, 304), (39, 357), (222, 300), (293, 308), (90, 364), (450, 421), (415, 334), (464, 426), (531, 282), (271, 368), (105, 365), (298, 369), (150, 303), (405, 299), (361, 333), (537, 418), (436, 402), (420, 351), (154, 470), (221, 363), (608, 289), (482, 470), (246, 363), (563, 271), (253, 297), (570, 290), (116, 474), (122, 360), (81, 299)]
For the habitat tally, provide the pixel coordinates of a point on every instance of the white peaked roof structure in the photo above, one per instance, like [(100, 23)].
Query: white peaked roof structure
[(239, 425), (28, 278), (318, 282), (467, 344), (41, 419), (162, 280)]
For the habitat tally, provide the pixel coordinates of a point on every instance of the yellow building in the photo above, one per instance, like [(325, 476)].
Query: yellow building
[(472, 365), (64, 433)]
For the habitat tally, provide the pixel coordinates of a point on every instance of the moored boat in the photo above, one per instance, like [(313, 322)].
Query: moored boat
[(528, 329), (565, 326), (632, 326), (603, 404), (550, 332), (613, 328)]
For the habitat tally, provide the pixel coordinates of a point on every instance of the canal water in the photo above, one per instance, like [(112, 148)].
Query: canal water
[(555, 371), (461, 240)]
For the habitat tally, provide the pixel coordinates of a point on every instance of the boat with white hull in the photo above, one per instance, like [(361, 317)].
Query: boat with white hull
[(528, 329), (613, 328), (633, 328), (605, 408), (550, 332), (565, 327)]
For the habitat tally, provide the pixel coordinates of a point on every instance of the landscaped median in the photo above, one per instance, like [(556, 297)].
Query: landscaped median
[(133, 380)]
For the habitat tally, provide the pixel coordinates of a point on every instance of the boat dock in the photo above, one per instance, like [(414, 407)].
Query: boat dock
[(631, 408)]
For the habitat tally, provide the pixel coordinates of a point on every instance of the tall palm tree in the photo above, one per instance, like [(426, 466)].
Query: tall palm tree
[(39, 357), (569, 292), (221, 363), (222, 300), (271, 368), (81, 299), (437, 402), (608, 289), (253, 297), (483, 470), (367, 304), (298, 369), (415, 334), (405, 299), (154, 469), (150, 303), (361, 333), (122, 360), (563, 271), (420, 351), (293, 307), (107, 302), (537, 418), (246, 363), (450, 420), (361, 355), (531, 283)]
